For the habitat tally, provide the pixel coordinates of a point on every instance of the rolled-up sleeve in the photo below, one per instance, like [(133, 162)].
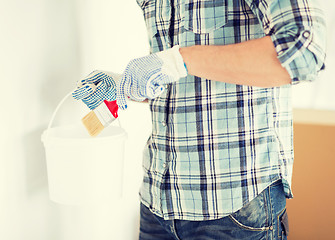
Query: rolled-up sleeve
[(298, 31)]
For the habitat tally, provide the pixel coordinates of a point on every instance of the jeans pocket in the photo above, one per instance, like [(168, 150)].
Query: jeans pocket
[(253, 216), (283, 223)]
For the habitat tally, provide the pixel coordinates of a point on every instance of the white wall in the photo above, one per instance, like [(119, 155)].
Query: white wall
[(46, 46), (38, 60), (320, 94)]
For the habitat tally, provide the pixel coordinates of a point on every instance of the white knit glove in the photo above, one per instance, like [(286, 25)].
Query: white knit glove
[(97, 87), (145, 77)]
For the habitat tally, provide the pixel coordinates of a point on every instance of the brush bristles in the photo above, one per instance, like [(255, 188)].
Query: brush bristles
[(92, 124)]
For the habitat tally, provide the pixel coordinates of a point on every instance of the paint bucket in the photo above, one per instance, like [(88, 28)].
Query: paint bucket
[(81, 169)]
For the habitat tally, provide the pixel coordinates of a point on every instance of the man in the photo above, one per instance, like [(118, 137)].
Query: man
[(218, 164)]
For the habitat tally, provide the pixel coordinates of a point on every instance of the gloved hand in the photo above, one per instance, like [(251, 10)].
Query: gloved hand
[(145, 77), (97, 87)]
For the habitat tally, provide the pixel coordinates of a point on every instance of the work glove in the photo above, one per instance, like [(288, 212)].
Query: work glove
[(145, 77), (97, 87)]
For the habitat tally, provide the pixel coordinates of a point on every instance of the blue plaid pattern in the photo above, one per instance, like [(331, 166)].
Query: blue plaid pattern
[(215, 146), (95, 88)]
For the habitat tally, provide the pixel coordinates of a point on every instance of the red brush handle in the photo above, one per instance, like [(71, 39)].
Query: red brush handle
[(113, 107)]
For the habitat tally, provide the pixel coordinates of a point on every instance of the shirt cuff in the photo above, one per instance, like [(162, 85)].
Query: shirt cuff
[(302, 57)]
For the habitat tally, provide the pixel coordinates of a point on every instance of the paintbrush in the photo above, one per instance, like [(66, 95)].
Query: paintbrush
[(100, 117)]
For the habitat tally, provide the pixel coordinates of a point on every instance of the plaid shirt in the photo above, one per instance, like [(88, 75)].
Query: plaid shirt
[(215, 146)]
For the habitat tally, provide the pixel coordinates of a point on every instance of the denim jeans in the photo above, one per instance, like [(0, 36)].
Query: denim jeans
[(265, 217)]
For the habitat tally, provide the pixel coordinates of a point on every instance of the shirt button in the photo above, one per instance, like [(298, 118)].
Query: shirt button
[(164, 123), (306, 34), (164, 165)]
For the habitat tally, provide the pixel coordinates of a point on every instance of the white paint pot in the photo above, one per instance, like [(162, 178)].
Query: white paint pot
[(83, 169)]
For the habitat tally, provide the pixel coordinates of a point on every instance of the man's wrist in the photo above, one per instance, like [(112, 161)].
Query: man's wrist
[(184, 53), (181, 65)]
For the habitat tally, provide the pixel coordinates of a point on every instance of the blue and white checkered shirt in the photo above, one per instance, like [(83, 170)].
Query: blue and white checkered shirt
[(215, 146)]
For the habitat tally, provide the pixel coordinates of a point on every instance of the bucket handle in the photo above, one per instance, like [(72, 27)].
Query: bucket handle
[(56, 110)]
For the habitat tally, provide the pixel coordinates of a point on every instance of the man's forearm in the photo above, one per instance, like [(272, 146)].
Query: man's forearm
[(252, 63)]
